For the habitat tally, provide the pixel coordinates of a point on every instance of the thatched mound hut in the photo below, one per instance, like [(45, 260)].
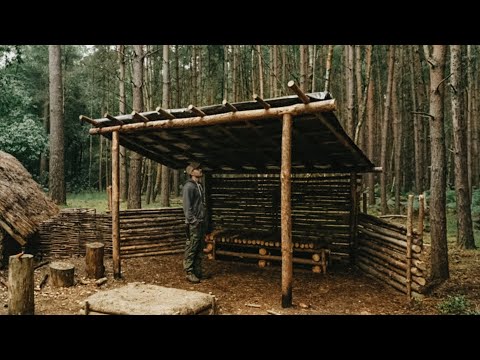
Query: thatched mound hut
[(23, 204)]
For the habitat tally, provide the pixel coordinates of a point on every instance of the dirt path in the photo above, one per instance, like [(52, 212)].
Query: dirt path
[(246, 289)]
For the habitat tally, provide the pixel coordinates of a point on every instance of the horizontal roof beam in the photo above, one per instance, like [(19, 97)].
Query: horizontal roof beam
[(295, 110)]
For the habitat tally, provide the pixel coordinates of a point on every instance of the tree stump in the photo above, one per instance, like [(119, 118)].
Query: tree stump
[(94, 260), (61, 274), (20, 285)]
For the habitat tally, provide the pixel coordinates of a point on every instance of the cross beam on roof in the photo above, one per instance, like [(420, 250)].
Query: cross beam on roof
[(165, 113), (305, 99), (295, 110)]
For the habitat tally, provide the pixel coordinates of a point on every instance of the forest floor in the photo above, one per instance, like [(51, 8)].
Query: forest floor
[(246, 289)]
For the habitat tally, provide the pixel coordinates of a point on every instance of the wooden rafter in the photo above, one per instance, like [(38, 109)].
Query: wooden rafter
[(262, 102)]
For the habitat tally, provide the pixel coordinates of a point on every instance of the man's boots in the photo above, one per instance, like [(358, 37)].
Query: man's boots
[(192, 278)]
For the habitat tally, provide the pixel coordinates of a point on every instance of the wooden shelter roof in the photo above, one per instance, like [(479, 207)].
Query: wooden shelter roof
[(175, 137)]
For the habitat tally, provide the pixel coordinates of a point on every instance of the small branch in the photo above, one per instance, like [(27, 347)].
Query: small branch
[(41, 264), (453, 88), (428, 58), (3, 283), (393, 216), (44, 281), (271, 312), (424, 114), (253, 305), (440, 83)]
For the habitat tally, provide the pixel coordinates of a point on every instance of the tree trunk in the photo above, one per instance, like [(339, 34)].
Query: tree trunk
[(371, 139), (43, 156), (438, 221), (303, 67), (135, 178), (364, 98), (165, 188), (328, 68), (57, 162), (260, 70), (470, 118), (358, 95), (385, 127), (148, 194), (397, 129), (421, 158), (121, 108), (350, 90), (158, 182), (465, 239), (20, 285)]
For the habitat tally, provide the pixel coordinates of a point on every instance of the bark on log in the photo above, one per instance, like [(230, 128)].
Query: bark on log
[(94, 260), (21, 285), (62, 274)]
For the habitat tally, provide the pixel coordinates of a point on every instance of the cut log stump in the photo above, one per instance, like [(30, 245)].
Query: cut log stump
[(61, 274), (20, 285), (94, 260)]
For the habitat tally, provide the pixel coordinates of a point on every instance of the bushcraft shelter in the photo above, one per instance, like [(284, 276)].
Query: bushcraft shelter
[(23, 206), (281, 170)]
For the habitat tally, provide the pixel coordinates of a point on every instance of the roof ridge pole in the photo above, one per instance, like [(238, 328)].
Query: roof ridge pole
[(286, 211)]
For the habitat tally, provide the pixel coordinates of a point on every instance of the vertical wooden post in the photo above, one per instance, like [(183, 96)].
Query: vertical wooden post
[(409, 245), (286, 211), (20, 285), (421, 216), (353, 216), (94, 260), (364, 202), (117, 273), (109, 195)]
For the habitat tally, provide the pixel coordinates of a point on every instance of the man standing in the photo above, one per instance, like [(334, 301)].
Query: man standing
[(194, 209)]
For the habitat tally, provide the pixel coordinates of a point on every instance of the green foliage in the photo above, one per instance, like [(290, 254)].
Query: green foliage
[(476, 202), (98, 200), (451, 200), (25, 140), (456, 305)]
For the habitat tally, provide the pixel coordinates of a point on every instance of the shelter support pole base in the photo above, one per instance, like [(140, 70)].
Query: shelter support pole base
[(117, 273)]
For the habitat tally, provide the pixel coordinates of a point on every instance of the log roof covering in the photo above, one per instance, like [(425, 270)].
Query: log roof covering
[(236, 145)]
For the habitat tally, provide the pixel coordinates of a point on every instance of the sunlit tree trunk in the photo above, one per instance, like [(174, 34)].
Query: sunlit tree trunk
[(56, 164)]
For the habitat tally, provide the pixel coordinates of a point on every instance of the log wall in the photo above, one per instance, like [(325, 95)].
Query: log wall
[(382, 253), (142, 232), (321, 206)]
